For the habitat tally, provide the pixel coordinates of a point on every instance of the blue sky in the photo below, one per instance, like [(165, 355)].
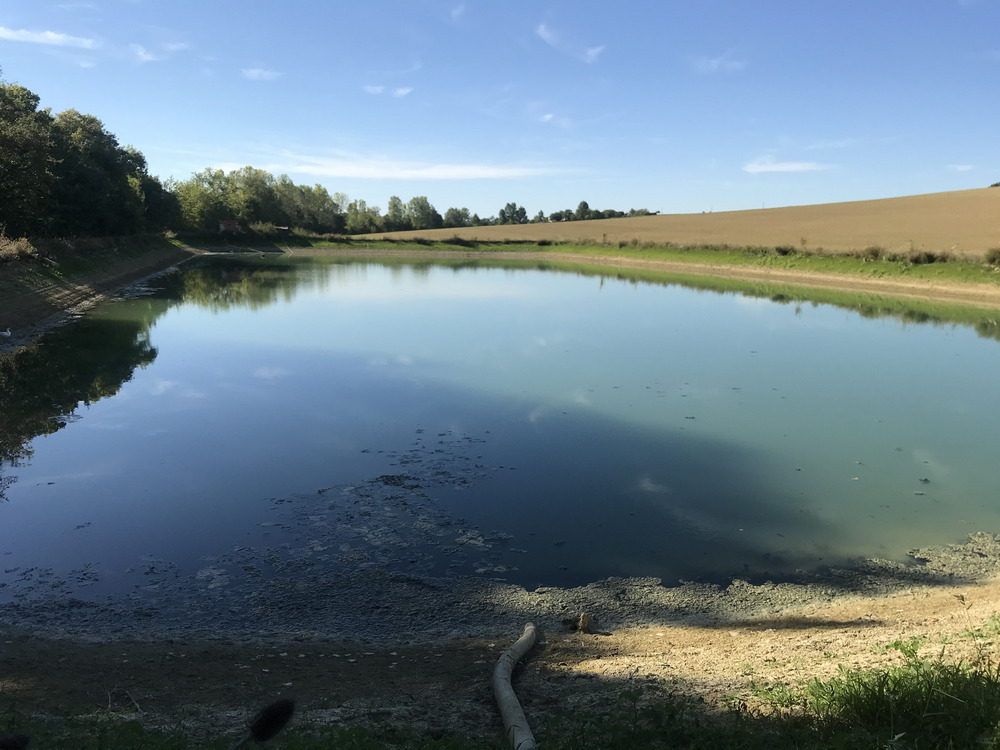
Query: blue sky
[(684, 106)]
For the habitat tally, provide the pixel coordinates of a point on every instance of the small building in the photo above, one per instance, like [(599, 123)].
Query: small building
[(229, 226)]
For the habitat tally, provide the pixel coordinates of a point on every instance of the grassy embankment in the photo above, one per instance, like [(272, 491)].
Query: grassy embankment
[(31, 280)]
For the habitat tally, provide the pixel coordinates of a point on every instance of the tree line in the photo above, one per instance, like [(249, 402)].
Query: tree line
[(65, 174)]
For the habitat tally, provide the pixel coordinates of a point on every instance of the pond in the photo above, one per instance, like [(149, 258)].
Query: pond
[(250, 416)]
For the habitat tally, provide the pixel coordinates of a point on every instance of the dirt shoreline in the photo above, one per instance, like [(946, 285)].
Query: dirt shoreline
[(377, 647), (421, 651)]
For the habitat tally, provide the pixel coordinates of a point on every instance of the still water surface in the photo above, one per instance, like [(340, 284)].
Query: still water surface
[(544, 428)]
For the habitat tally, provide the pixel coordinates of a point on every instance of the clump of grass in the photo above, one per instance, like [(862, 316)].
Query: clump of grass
[(19, 249), (907, 648), (927, 703), (779, 694)]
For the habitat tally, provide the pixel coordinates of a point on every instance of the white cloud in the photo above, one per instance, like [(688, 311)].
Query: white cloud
[(721, 64), (270, 373), (961, 167), (401, 91), (162, 386), (142, 54), (547, 35), (592, 53), (47, 37), (260, 74), (352, 166), (551, 119), (554, 40), (768, 164), (374, 90)]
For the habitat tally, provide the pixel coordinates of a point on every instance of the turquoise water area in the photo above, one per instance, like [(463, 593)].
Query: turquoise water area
[(541, 427)]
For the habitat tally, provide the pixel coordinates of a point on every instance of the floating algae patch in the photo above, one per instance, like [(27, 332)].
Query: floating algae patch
[(390, 524)]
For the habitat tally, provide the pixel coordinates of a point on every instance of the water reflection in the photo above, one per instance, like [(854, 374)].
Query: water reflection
[(548, 428), (43, 385)]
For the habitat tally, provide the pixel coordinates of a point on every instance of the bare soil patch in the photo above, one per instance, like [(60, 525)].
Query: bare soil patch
[(34, 296)]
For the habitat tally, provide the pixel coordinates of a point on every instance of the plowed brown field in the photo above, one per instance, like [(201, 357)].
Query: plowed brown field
[(964, 223)]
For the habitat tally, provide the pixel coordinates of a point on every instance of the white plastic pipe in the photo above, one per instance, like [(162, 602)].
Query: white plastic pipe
[(514, 721)]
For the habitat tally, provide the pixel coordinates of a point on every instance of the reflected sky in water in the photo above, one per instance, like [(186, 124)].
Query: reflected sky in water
[(579, 427)]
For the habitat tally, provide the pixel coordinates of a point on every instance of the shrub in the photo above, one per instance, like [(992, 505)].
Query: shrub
[(264, 228), (924, 257), (873, 252), (993, 256), (785, 250), (19, 249), (460, 241)]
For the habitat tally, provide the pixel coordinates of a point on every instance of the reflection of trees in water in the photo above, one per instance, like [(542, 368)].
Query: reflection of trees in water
[(42, 385), (233, 283)]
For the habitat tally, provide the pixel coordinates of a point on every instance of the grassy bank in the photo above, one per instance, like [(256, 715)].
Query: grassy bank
[(39, 279), (872, 262)]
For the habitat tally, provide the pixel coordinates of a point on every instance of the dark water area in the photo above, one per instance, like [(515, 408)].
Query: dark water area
[(547, 429)]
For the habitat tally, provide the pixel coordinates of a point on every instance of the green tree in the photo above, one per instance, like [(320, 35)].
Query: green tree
[(362, 219), (582, 211), (311, 208), (422, 214), (513, 214), (396, 219), (202, 200), (162, 209), (457, 217), (250, 196), (97, 189), (26, 161)]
